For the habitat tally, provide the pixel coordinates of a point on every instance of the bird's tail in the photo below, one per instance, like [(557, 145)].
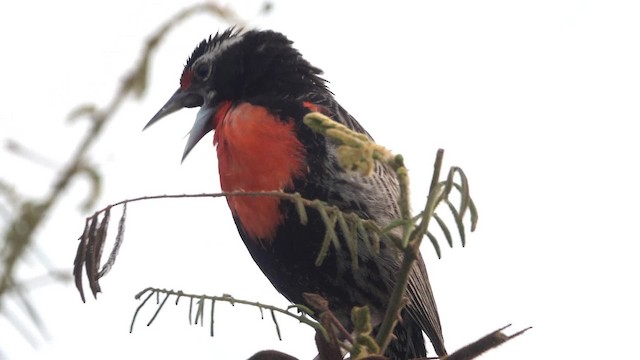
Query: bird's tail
[(409, 342)]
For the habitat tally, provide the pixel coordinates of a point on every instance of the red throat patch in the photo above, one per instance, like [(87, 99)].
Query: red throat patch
[(256, 152)]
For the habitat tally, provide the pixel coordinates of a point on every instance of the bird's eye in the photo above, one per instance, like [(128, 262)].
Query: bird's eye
[(202, 71)]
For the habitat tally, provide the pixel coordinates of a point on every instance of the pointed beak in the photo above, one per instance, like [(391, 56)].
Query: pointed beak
[(184, 99)]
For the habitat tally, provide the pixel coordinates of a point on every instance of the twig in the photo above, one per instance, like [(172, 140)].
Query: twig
[(150, 291), (92, 240), (385, 332), (484, 344), (33, 213)]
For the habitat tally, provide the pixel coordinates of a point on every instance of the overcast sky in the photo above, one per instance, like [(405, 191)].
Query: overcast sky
[(537, 101)]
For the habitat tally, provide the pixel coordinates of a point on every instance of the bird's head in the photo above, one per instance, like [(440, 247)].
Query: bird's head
[(236, 66)]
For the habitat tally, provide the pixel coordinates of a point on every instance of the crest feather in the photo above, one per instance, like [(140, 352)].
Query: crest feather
[(209, 44)]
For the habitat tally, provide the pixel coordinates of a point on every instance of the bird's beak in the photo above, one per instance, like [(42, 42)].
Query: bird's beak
[(203, 124)]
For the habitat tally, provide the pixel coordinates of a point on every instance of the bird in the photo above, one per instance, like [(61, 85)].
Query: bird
[(253, 88)]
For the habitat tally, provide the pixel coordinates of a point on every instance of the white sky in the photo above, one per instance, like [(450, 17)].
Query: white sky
[(537, 101)]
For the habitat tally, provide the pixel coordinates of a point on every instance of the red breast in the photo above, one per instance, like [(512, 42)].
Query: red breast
[(257, 151)]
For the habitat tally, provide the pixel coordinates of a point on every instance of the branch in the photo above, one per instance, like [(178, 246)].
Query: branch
[(396, 302), (21, 227), (357, 152), (93, 237), (302, 317), (483, 344)]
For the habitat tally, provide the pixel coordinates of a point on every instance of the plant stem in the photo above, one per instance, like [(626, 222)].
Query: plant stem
[(410, 254)]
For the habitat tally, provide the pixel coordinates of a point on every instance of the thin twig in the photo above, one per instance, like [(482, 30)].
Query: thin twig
[(303, 318)]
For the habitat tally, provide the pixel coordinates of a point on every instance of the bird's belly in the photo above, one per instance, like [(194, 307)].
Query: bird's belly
[(289, 262)]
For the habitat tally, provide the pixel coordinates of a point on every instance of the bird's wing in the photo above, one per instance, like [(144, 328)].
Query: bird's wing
[(422, 305)]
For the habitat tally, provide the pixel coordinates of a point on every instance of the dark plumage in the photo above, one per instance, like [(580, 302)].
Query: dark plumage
[(254, 89)]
